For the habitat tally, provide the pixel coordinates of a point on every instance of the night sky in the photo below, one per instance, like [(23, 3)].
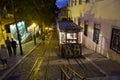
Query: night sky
[(61, 3)]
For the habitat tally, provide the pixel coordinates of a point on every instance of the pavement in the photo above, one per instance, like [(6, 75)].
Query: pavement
[(106, 66), (110, 68), (15, 60)]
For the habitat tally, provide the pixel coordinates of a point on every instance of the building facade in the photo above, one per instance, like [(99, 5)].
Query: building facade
[(5, 18), (100, 20), (63, 13)]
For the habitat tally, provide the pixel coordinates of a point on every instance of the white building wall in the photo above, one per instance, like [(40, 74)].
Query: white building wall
[(104, 12)]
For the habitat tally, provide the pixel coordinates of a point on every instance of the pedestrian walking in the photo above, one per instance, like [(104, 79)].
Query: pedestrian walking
[(8, 45), (43, 37), (4, 55), (14, 46)]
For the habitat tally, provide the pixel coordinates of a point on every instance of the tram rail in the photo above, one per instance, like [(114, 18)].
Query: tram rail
[(85, 69), (34, 70), (68, 73), (31, 72)]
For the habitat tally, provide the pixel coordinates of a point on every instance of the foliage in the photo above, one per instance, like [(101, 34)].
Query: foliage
[(40, 11)]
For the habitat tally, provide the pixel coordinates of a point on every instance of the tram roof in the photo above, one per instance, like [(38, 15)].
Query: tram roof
[(69, 26)]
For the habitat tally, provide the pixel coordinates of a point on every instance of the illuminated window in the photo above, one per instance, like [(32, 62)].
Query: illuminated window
[(115, 40)]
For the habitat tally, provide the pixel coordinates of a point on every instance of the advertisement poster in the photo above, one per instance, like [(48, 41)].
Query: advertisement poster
[(21, 28)]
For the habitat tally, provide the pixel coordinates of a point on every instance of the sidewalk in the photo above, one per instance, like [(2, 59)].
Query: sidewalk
[(14, 60), (110, 68)]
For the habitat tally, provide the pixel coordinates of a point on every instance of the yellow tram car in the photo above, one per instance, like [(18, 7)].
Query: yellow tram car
[(70, 39)]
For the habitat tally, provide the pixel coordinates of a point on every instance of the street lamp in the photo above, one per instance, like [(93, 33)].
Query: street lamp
[(18, 34)]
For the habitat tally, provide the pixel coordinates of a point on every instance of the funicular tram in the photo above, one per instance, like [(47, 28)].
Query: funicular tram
[(70, 39)]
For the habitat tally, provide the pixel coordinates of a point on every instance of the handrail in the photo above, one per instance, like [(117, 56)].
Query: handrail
[(78, 75), (73, 72)]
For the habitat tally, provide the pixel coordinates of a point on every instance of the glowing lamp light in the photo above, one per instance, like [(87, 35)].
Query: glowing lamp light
[(46, 28), (50, 29), (33, 24)]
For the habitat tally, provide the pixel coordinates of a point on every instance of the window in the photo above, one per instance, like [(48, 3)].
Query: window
[(72, 2), (80, 1), (115, 40), (75, 2), (87, 1), (75, 19), (79, 21), (85, 27), (69, 1), (96, 33)]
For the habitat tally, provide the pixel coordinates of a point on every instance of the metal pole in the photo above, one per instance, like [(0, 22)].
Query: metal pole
[(19, 37), (34, 35), (61, 75)]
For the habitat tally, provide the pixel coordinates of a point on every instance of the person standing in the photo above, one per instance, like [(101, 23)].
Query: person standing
[(14, 46), (4, 55), (8, 45)]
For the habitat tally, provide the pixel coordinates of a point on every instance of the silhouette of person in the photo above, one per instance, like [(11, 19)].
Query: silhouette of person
[(3, 55), (8, 45), (14, 46)]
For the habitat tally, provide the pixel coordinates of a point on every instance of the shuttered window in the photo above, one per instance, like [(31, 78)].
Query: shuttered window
[(85, 27), (80, 1), (87, 1), (115, 40)]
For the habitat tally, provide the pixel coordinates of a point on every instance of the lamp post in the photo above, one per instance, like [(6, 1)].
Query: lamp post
[(34, 34), (19, 37)]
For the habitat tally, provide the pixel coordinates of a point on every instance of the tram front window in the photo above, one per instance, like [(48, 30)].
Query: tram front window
[(71, 36)]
